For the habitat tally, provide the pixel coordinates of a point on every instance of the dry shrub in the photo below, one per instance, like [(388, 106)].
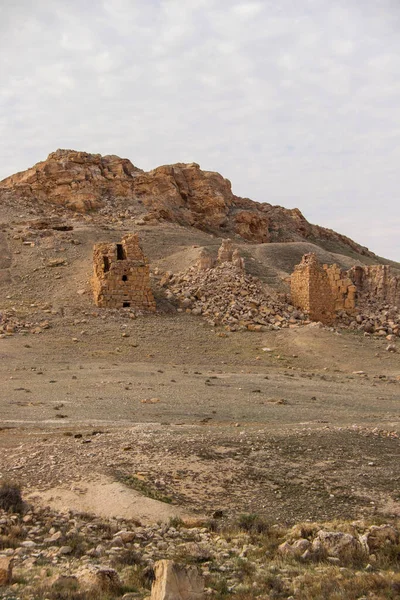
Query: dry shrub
[(355, 585), (11, 497), (253, 524)]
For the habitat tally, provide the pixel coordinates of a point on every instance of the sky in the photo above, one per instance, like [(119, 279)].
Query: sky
[(297, 102)]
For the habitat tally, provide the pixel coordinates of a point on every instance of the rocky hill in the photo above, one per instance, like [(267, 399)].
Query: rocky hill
[(179, 193)]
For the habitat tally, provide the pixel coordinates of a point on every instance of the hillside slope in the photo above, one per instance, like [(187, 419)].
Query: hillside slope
[(179, 193)]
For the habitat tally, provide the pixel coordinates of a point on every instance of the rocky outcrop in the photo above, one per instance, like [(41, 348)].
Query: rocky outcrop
[(181, 193), (186, 194), (76, 180)]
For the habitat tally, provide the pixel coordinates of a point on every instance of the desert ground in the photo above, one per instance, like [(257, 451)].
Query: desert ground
[(150, 418), (297, 424)]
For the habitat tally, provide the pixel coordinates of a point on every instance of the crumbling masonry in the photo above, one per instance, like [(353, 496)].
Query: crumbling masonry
[(227, 253), (311, 290), (121, 276), (323, 290)]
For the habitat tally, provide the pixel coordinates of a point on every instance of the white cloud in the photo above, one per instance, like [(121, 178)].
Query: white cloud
[(248, 9), (295, 102)]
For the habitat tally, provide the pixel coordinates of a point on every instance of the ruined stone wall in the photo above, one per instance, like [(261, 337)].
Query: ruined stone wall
[(376, 284), (311, 290), (227, 253), (121, 276), (343, 289), (322, 292)]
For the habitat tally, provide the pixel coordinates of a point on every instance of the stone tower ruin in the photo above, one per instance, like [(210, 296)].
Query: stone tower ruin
[(121, 275), (311, 290)]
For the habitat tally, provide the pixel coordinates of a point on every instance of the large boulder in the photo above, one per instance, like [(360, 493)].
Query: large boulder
[(176, 582), (380, 536), (99, 579), (337, 544)]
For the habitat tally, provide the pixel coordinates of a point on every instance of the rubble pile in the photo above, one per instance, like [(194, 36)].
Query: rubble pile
[(226, 295), (382, 322)]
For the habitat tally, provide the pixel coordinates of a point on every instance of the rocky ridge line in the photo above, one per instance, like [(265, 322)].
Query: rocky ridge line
[(180, 193)]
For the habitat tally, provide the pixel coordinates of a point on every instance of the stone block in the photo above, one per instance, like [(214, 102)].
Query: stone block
[(176, 582)]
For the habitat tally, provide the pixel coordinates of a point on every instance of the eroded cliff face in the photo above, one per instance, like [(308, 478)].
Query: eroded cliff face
[(181, 193)]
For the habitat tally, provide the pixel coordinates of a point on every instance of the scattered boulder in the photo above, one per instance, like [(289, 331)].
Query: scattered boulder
[(379, 536), (176, 582), (296, 549), (102, 579), (337, 544), (6, 565)]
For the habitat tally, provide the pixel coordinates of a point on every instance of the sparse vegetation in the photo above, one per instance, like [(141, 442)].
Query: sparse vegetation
[(252, 523), (175, 522), (11, 497), (242, 560), (144, 487)]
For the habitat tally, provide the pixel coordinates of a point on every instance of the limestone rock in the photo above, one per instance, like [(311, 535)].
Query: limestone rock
[(225, 251), (337, 544), (77, 180), (379, 536), (6, 564), (296, 549), (252, 226), (361, 298), (204, 262), (237, 260), (376, 283), (176, 582), (227, 295), (101, 578), (311, 291)]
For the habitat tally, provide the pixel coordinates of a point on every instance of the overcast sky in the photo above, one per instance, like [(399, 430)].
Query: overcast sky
[(297, 102)]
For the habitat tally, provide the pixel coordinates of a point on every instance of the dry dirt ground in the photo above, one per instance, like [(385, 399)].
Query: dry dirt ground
[(297, 424), (205, 422)]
